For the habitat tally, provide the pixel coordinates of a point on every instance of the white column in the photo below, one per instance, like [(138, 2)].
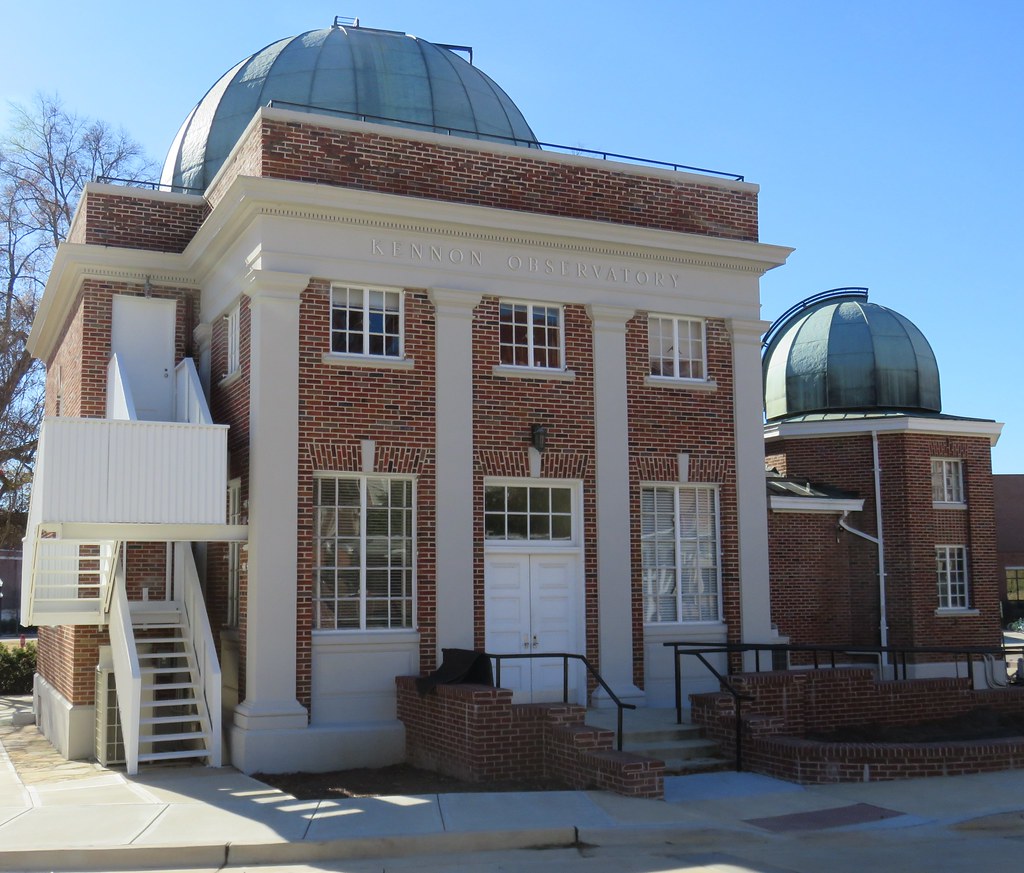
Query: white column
[(270, 702), (751, 499), (611, 427), (454, 466)]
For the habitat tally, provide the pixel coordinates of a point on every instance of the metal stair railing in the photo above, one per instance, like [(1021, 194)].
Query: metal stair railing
[(566, 657)]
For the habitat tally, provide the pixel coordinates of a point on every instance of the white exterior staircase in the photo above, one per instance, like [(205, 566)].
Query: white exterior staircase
[(175, 722)]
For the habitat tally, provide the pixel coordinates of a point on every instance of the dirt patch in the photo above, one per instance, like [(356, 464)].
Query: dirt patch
[(394, 780), (979, 724)]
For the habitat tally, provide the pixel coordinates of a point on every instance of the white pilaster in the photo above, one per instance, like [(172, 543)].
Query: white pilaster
[(454, 465), (615, 609), (270, 702), (751, 499)]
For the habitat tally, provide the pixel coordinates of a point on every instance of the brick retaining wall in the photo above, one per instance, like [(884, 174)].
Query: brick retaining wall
[(475, 733), (787, 706)]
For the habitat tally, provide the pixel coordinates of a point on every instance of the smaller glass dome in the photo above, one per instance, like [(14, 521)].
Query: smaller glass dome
[(835, 352)]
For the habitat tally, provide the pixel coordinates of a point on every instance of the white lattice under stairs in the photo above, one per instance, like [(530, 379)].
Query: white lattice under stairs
[(173, 720)]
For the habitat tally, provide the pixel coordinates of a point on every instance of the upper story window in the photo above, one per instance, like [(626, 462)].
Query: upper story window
[(677, 347), (947, 481), (951, 569), (366, 321), (233, 320), (530, 335), (680, 548)]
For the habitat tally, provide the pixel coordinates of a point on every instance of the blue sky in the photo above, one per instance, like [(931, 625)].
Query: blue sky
[(886, 137)]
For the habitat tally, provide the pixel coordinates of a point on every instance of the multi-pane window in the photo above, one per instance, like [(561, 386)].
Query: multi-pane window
[(528, 512), (234, 552), (530, 335), (677, 347), (679, 546), (233, 319), (1015, 583), (364, 552), (947, 480), (366, 321), (951, 569)]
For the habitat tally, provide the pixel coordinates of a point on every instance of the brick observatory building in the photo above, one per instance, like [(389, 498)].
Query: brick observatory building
[(375, 375)]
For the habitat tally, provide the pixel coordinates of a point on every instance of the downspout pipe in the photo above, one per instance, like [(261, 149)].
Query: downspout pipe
[(879, 541)]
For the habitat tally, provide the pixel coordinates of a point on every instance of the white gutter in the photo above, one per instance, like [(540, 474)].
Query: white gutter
[(879, 541)]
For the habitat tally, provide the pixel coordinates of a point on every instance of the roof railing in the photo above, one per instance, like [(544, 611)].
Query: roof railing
[(849, 291)]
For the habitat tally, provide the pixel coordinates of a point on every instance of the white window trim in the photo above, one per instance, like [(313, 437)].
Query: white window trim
[(949, 504), (233, 322), (677, 486), (357, 357), (695, 383), (574, 544), (362, 630), (234, 557), (948, 607), (528, 370)]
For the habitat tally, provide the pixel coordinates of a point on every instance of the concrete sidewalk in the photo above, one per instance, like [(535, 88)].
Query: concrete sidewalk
[(84, 817)]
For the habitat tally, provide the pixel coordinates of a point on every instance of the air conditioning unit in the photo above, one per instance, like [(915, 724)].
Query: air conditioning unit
[(109, 741)]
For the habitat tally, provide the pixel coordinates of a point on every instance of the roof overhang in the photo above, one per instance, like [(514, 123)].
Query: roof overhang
[(834, 505), (949, 426)]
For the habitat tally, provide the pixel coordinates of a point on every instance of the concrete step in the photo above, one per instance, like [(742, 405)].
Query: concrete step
[(678, 750), (671, 734)]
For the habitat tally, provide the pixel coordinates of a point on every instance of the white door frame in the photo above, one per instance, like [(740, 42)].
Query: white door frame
[(572, 548)]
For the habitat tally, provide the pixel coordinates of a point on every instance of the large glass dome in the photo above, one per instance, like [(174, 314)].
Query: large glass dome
[(357, 72), (837, 352)]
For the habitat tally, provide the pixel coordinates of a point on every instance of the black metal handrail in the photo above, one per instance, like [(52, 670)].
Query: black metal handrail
[(898, 661), (494, 137), (566, 657)]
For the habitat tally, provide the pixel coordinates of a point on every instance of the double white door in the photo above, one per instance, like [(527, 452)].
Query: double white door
[(532, 606)]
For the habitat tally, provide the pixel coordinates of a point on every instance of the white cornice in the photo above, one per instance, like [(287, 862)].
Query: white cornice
[(778, 430), (74, 262), (393, 213)]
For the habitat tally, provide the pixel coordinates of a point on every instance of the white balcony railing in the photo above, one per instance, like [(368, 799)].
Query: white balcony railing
[(131, 472)]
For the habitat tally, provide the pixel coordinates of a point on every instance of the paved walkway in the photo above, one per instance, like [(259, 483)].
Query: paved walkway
[(58, 815)]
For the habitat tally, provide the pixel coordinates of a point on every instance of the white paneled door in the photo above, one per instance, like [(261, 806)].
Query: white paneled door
[(142, 336), (532, 605)]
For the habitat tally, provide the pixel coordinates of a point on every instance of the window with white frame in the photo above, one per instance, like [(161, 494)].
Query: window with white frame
[(528, 512), (366, 321), (951, 569), (364, 559), (947, 481), (234, 553), (1015, 584), (233, 320), (677, 347), (680, 553), (530, 335)]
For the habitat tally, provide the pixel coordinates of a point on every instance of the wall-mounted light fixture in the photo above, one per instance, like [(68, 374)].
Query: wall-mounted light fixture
[(538, 437)]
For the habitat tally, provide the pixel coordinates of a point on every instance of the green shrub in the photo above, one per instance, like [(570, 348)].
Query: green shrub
[(1016, 626), (17, 667)]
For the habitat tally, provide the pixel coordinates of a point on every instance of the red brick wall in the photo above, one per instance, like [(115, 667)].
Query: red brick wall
[(340, 405), (67, 657), (787, 707), (526, 181), (473, 732), (665, 421), (504, 409), (912, 528), (131, 219)]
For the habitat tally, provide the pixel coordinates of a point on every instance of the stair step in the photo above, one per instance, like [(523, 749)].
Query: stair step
[(177, 701), (164, 671), (153, 656), (169, 686), (170, 738), (689, 766), (156, 640), (171, 719), (681, 749), (170, 756), (671, 734)]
